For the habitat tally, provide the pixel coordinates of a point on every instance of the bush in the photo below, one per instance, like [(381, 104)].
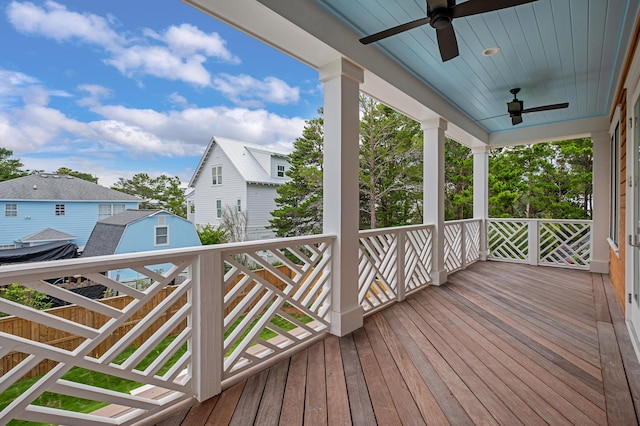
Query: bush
[(25, 296), (211, 235)]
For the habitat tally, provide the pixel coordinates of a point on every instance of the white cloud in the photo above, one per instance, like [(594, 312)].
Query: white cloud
[(161, 62), (178, 54), (34, 126), (178, 99), (248, 91), (56, 22)]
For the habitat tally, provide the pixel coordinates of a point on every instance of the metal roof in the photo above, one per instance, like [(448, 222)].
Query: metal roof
[(242, 156), (47, 234), (54, 187)]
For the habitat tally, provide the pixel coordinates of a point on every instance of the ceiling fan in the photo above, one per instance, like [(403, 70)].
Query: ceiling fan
[(516, 107), (440, 13)]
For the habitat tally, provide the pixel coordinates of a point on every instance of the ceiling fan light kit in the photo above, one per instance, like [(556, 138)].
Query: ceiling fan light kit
[(515, 108), (440, 16)]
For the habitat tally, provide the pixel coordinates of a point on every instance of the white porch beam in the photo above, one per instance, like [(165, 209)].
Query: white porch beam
[(433, 191), (341, 216), (600, 179), (481, 194)]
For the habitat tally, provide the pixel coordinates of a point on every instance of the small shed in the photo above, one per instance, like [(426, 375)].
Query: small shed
[(135, 231)]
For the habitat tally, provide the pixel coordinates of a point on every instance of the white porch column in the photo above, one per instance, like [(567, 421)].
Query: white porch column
[(433, 191), (481, 194), (341, 213), (600, 228)]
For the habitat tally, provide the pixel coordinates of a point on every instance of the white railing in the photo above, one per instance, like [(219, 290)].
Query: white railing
[(563, 243), (392, 263), (461, 243), (223, 317)]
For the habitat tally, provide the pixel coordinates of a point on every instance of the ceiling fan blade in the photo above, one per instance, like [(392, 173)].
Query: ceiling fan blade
[(473, 7), (546, 108), (447, 43), (516, 119), (395, 30)]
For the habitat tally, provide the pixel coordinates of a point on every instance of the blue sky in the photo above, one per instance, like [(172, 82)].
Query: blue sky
[(115, 88)]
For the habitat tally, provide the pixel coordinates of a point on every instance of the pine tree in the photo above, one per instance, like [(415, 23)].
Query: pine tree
[(299, 202)]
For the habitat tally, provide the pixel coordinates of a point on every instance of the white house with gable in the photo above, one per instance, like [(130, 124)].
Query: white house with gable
[(240, 177)]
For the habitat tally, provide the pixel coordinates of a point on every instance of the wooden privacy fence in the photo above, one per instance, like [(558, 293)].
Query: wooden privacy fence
[(51, 336)]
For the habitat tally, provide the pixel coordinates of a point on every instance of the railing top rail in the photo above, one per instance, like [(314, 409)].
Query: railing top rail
[(378, 231), (102, 263), (453, 222), (511, 219)]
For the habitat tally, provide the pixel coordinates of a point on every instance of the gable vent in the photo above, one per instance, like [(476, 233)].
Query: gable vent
[(161, 220)]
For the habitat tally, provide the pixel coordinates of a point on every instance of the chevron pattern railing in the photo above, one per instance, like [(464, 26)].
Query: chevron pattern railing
[(461, 243), (508, 239), (392, 263), (154, 351), (267, 314), (194, 318), (563, 243)]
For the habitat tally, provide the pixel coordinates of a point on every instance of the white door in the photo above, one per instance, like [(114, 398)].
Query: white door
[(633, 233)]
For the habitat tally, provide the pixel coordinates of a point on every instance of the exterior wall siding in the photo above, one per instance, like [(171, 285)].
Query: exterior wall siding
[(260, 203), (617, 260), (79, 219), (233, 188), (277, 161), (140, 236)]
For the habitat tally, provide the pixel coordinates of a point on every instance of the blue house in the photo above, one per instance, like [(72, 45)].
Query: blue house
[(46, 207), (139, 230)]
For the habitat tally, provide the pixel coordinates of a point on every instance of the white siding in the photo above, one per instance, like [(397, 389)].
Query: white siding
[(278, 161), (260, 203), (233, 188)]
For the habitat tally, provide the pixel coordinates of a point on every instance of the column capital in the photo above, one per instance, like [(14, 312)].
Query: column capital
[(434, 123), (481, 149), (601, 137), (341, 67)]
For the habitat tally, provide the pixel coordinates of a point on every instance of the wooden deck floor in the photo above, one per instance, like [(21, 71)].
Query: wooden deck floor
[(499, 344)]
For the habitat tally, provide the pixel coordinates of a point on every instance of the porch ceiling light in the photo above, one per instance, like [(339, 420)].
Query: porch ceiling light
[(490, 51)]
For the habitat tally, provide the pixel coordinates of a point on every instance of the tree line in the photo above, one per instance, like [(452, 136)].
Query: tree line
[(548, 180)]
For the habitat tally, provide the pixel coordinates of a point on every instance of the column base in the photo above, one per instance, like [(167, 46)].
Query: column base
[(439, 277), (599, 266), (343, 323)]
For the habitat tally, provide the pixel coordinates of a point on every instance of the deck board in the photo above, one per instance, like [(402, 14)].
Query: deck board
[(500, 343)]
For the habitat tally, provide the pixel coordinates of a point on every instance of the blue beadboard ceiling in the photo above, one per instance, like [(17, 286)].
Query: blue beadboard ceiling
[(555, 50)]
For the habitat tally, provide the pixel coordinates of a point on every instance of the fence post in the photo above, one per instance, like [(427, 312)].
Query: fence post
[(534, 242), (463, 245), (400, 284), (207, 323)]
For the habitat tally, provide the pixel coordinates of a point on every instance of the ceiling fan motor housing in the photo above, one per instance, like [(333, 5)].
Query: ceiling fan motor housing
[(515, 107), (441, 17)]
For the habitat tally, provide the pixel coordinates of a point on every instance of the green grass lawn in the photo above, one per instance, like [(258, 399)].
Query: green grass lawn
[(93, 378)]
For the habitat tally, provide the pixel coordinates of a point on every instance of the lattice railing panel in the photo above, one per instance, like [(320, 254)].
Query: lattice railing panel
[(266, 313), (472, 241), (377, 269), (453, 246), (508, 240), (418, 258), (90, 347), (565, 244)]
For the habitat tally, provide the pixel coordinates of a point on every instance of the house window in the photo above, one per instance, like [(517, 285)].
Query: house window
[(216, 175), (219, 209), (239, 204), (60, 210), (280, 171), (614, 205), (11, 210), (106, 210), (162, 235)]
